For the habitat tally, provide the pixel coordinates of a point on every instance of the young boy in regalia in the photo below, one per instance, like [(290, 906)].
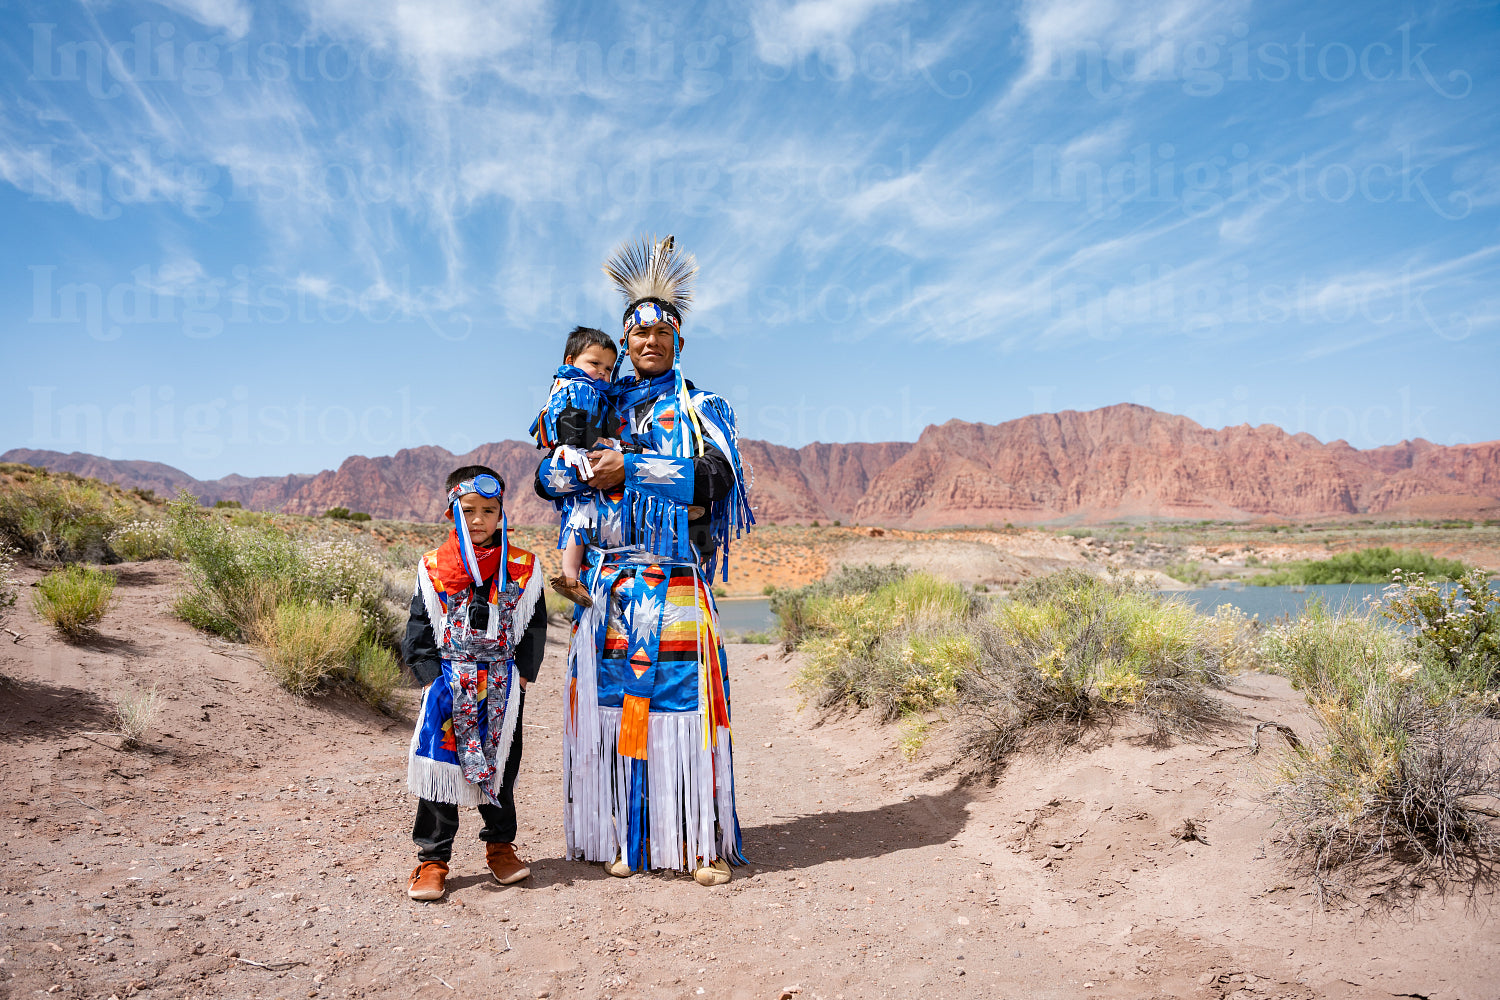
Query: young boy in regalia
[(475, 638), (578, 419), (648, 764)]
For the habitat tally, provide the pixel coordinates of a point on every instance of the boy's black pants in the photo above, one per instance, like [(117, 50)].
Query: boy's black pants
[(437, 822)]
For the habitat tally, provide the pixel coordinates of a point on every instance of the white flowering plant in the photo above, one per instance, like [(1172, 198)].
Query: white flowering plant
[(1455, 626)]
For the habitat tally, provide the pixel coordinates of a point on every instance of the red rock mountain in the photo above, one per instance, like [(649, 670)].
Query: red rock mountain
[(1119, 461)]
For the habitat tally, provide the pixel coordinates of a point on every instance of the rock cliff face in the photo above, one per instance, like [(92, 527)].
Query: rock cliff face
[(1120, 461), (1131, 461)]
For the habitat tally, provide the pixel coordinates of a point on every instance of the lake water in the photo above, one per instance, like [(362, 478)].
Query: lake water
[(746, 614), (753, 614), (1270, 603)]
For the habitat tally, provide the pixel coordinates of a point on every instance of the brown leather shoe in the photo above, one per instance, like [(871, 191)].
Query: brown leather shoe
[(428, 880), (573, 590), (504, 864)]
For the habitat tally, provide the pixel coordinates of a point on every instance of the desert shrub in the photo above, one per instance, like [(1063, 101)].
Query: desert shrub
[(135, 714), (1457, 627), (323, 611), (74, 598), (345, 572), (306, 644), (359, 515), (228, 505), (337, 513), (914, 733), (1335, 657), (1187, 572), (1237, 636), (790, 606), (899, 648), (374, 673), (236, 574), (1363, 566), (1402, 753), (1071, 650), (58, 518), (7, 580), (136, 541)]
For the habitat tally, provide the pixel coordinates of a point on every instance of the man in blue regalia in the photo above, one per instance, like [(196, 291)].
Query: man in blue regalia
[(648, 761)]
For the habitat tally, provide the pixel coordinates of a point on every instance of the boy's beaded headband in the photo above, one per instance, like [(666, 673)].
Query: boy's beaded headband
[(483, 484)]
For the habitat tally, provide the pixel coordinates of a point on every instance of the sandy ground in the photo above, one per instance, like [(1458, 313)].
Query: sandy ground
[(260, 828)]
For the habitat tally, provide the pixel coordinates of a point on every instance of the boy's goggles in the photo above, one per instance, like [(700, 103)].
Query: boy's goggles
[(484, 485)]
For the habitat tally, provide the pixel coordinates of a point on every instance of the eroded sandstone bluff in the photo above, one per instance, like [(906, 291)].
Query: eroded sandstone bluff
[(1119, 461)]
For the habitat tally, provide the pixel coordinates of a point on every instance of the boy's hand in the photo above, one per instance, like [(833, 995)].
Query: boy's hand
[(522, 680), (609, 470)]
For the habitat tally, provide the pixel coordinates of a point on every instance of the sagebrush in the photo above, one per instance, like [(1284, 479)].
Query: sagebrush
[(1072, 650), (248, 579), (1404, 772), (74, 598), (899, 648), (59, 518)]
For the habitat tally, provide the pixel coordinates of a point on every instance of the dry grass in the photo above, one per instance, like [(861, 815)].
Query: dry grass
[(308, 645), (1073, 651), (135, 715), (74, 598), (1401, 785)]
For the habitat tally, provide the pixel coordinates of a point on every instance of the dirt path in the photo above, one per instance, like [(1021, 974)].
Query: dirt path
[(266, 829)]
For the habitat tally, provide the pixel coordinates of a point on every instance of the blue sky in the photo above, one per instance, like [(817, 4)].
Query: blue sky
[(258, 238)]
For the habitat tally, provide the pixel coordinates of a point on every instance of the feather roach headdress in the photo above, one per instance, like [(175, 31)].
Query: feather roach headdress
[(648, 271), (656, 280)]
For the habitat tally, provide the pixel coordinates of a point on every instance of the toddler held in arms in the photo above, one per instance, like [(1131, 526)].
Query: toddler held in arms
[(578, 419)]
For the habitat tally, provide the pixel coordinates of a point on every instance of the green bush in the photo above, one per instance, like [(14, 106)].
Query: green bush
[(236, 575), (337, 513), (7, 580), (1071, 650), (228, 505), (359, 515), (1363, 566), (306, 644), (790, 606), (74, 598), (900, 648), (375, 673), (58, 518), (1457, 627), (1402, 753), (346, 572), (137, 541), (1191, 573)]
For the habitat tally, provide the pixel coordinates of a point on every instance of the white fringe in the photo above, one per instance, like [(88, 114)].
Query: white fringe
[(680, 772), (440, 781), (508, 727), (431, 602), (586, 782), (526, 606), (436, 780), (724, 771)]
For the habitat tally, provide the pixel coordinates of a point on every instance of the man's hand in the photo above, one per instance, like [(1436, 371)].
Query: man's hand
[(522, 680), (609, 470)]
